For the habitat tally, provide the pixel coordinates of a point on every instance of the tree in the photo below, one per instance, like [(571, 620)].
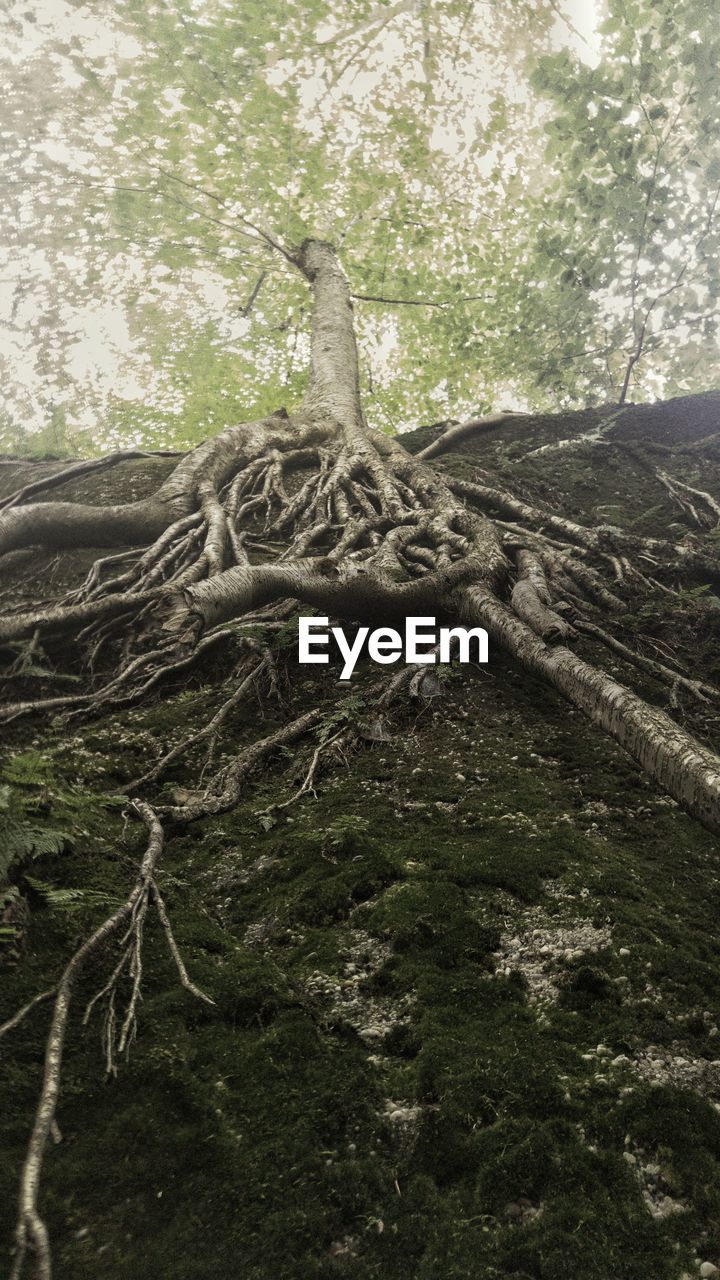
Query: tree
[(149, 150), (632, 218), (312, 506), (370, 532)]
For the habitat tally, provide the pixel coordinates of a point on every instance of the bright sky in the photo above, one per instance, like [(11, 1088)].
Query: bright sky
[(92, 356), (576, 29)]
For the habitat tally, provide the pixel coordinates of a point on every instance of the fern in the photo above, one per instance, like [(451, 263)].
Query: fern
[(70, 899), (22, 841), (27, 769), (350, 712)]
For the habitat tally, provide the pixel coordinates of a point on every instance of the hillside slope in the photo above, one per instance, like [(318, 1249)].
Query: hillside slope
[(467, 993)]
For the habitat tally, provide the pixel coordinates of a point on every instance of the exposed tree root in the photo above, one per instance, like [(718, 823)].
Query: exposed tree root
[(208, 730), (227, 787), (78, 469), (701, 507), (316, 508), (597, 435), (700, 689), (21, 1014), (462, 430), (531, 600), (683, 767), (307, 784), (31, 1232)]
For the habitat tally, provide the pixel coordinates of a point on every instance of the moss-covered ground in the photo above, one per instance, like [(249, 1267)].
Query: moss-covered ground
[(467, 997)]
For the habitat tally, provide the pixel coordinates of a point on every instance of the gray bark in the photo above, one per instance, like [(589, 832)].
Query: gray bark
[(686, 769)]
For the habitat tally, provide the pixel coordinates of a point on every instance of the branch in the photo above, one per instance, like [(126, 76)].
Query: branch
[(211, 195), (401, 302), (81, 469), (379, 18), (245, 311), (563, 18)]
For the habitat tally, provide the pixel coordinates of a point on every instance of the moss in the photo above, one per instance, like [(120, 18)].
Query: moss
[(373, 1095), (269, 1100)]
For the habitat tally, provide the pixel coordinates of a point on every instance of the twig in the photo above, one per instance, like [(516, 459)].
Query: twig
[(185, 981), (21, 1014)]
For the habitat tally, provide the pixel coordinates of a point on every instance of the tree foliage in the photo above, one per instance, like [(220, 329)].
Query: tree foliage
[(526, 211)]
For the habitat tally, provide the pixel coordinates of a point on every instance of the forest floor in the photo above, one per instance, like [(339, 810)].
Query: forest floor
[(467, 1019)]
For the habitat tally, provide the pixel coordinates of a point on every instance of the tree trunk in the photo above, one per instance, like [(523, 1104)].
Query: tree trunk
[(372, 533), (315, 508)]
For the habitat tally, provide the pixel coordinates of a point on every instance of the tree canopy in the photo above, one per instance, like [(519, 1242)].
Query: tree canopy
[(274, 238), (524, 197)]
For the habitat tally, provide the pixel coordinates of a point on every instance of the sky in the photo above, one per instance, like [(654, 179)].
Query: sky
[(67, 344)]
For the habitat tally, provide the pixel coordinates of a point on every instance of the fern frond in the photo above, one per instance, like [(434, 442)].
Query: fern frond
[(70, 899)]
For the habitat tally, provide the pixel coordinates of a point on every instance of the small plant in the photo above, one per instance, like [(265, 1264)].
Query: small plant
[(22, 840), (27, 769), (346, 836), (648, 514), (348, 712), (70, 899)]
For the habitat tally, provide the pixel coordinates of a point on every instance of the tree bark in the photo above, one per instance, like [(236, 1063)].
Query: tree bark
[(686, 769), (372, 534)]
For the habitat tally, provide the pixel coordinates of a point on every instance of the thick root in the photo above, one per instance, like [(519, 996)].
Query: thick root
[(682, 766), (532, 601), (351, 524)]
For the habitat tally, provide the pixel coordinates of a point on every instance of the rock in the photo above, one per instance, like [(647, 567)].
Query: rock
[(707, 1271), (624, 951)]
